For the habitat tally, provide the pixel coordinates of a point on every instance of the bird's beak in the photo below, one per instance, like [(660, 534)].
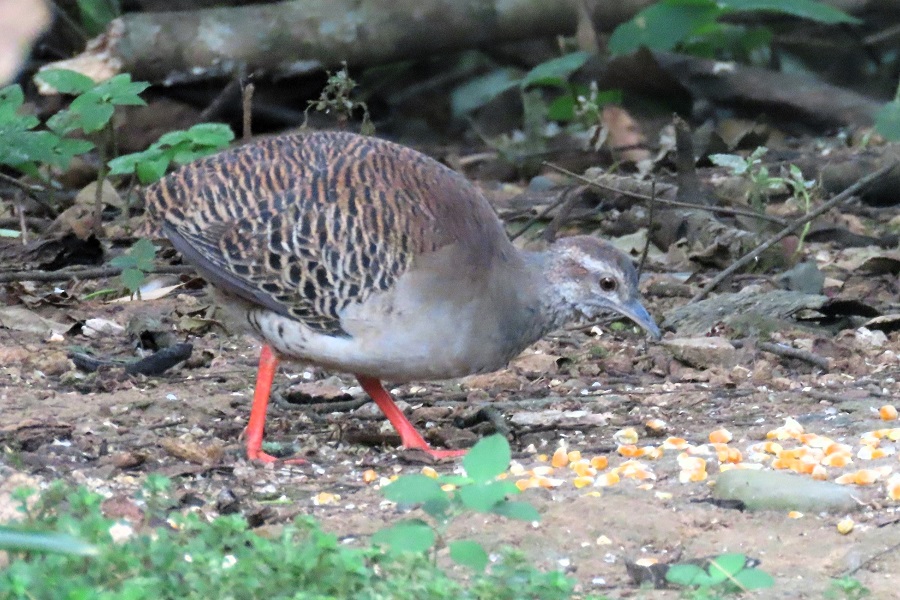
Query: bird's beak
[(635, 311)]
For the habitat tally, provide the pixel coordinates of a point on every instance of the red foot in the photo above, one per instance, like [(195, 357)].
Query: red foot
[(409, 437), (268, 364)]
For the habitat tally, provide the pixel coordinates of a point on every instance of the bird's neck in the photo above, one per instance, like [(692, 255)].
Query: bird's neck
[(543, 307)]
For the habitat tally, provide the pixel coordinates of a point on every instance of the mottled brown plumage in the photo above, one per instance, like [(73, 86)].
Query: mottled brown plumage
[(361, 255)]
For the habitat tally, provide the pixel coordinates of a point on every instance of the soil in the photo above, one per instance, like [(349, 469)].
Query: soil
[(578, 389)]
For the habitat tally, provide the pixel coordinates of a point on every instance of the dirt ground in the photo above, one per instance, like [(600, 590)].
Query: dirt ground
[(108, 430)]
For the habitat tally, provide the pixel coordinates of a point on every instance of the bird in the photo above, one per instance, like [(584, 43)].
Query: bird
[(364, 256)]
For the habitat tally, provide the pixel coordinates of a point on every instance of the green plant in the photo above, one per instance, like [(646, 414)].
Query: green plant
[(553, 74), (191, 557), (761, 181), (846, 588), (337, 98), (728, 573), (446, 497), (32, 150), (694, 25), (546, 93), (135, 264), (179, 147), (25, 148)]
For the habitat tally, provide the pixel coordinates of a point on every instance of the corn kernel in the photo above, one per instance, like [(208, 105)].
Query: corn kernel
[(627, 436), (720, 436), (600, 462), (888, 412), (560, 458), (845, 526)]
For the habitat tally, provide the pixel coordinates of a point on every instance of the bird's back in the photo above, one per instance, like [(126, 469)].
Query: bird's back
[(306, 225)]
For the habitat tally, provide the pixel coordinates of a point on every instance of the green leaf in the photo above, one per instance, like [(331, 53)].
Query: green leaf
[(65, 121), (562, 109), (413, 489), (406, 536), (518, 510), (95, 113), (10, 233), (120, 90), (133, 279), (469, 554), (754, 579), (488, 458), (11, 100), (688, 575), (726, 566), (457, 480), (438, 508), (806, 9), (24, 541), (663, 26), (65, 81), (737, 164), (887, 121), (481, 90), (65, 149), (151, 170), (95, 14), (203, 134), (484, 496), (555, 72), (144, 252)]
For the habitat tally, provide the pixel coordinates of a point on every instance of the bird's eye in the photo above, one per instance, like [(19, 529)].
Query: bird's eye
[(608, 284)]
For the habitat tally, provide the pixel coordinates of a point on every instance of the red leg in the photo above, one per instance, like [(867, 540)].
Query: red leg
[(409, 437), (268, 364)]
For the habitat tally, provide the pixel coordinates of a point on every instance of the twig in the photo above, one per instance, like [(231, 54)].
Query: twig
[(884, 551), (215, 107), (23, 224), (789, 352), (791, 227), (247, 106), (571, 196), (649, 228), (30, 191), (725, 210), (82, 274), (33, 222), (562, 198), (685, 164)]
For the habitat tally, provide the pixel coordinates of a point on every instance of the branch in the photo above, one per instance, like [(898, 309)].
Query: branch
[(82, 274), (792, 227)]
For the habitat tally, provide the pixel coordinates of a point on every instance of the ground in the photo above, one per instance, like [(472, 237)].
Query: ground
[(581, 390)]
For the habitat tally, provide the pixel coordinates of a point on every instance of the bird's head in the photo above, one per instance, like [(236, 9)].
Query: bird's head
[(591, 279)]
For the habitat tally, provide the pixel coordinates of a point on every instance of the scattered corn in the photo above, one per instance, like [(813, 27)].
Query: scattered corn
[(888, 412)]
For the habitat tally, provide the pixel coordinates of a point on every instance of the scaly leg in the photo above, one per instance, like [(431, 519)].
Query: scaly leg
[(409, 437), (268, 364)]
